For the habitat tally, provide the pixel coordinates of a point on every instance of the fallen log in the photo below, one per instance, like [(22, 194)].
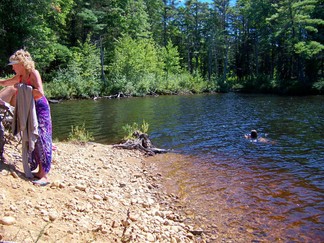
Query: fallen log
[(140, 141), (52, 101)]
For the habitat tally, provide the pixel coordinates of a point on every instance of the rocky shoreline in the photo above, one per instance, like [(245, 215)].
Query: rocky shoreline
[(97, 193)]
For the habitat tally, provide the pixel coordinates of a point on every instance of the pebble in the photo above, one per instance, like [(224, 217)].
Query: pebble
[(7, 220), (53, 216), (4, 172), (81, 187), (150, 237), (97, 197)]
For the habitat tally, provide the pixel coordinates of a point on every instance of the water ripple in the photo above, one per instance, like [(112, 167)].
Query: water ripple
[(244, 191)]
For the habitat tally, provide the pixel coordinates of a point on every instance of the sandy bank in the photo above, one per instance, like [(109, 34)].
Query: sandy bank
[(97, 194)]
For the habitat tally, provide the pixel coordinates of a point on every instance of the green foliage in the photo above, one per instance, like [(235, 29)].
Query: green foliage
[(170, 58), (140, 67), (135, 19), (319, 86), (260, 83), (293, 27), (134, 61), (308, 49), (195, 83), (212, 85), (79, 134), (57, 90), (48, 25), (90, 20), (81, 77), (43, 45), (149, 46), (131, 129)]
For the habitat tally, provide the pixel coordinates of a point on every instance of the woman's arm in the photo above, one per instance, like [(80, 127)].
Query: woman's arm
[(37, 83), (9, 81)]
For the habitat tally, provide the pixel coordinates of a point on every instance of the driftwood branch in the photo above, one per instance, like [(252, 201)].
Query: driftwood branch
[(140, 141)]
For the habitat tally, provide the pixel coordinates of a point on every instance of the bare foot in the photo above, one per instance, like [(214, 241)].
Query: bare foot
[(40, 175)]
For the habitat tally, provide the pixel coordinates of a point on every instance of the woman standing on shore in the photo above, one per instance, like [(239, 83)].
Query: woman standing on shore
[(24, 67)]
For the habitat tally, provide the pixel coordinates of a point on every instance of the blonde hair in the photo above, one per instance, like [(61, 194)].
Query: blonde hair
[(24, 57)]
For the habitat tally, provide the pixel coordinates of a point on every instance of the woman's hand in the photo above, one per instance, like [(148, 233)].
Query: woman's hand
[(37, 94)]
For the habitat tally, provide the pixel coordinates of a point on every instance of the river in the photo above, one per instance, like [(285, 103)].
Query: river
[(240, 190)]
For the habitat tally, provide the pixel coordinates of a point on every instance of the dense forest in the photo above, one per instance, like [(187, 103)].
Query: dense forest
[(89, 48)]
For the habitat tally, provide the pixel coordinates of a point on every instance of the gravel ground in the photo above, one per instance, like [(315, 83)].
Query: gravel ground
[(97, 193)]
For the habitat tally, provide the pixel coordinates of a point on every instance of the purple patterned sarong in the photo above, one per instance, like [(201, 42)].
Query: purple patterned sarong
[(42, 153)]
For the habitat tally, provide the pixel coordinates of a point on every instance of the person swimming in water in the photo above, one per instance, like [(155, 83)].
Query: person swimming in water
[(254, 137)]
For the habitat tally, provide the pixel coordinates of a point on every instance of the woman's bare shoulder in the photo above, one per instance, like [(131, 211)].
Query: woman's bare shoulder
[(35, 72)]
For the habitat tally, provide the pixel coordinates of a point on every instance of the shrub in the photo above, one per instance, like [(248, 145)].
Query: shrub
[(131, 129), (81, 77), (79, 134), (319, 85)]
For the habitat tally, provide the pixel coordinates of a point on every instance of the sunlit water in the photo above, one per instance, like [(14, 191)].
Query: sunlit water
[(235, 189)]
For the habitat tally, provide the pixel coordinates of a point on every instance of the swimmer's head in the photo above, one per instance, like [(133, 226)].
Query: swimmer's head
[(254, 134)]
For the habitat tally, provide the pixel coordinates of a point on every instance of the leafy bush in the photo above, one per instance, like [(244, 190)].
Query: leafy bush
[(319, 86), (79, 134), (131, 129), (57, 90), (139, 67), (134, 61), (80, 79)]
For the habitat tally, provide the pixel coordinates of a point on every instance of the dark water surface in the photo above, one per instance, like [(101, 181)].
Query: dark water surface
[(243, 191)]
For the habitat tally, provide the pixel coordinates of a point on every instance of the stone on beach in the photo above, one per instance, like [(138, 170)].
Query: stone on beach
[(7, 220)]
